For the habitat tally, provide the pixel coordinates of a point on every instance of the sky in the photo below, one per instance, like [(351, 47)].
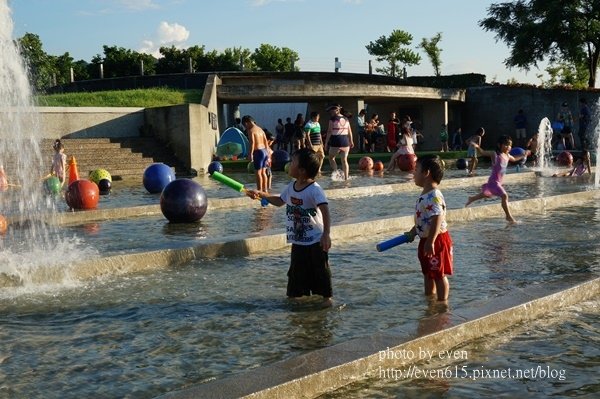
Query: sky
[(318, 30)]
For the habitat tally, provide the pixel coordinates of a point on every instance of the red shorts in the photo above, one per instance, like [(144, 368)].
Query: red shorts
[(440, 264)]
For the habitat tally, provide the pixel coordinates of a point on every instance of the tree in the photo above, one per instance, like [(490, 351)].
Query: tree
[(433, 52), (38, 62), (391, 50), (556, 30), (271, 58), (119, 62), (566, 74)]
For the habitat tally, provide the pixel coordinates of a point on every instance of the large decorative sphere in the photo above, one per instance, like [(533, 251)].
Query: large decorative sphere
[(157, 176), (52, 185), (407, 162), (82, 194), (183, 201), (99, 174), (104, 186), (378, 166), (518, 151), (565, 158), (215, 166), (462, 164), (278, 159), (365, 163)]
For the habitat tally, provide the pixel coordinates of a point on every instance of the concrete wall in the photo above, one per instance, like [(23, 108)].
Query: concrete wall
[(90, 122), (494, 108)]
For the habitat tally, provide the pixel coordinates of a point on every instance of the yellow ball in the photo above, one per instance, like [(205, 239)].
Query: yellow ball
[(99, 174)]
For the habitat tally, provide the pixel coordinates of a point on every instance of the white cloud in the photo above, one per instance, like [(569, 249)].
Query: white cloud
[(139, 5), (166, 35), (172, 33)]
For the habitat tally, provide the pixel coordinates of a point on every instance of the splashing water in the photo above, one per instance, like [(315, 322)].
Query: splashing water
[(29, 242), (544, 144)]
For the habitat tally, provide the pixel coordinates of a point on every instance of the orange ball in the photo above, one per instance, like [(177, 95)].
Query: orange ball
[(365, 163), (407, 162), (378, 166), (3, 225), (82, 194)]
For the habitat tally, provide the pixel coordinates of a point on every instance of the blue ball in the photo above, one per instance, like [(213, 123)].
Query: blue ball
[(462, 163), (157, 176), (215, 166), (183, 201), (518, 151), (278, 159)]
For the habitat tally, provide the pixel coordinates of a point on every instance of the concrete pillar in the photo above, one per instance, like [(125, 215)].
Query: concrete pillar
[(72, 75), (190, 67), (337, 64), (102, 71), (370, 68), (141, 67)]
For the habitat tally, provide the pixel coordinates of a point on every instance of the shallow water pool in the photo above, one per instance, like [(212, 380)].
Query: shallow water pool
[(142, 335)]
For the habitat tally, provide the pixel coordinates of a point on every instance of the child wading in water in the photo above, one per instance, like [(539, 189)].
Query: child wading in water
[(307, 227), (500, 159), (59, 162), (435, 245)]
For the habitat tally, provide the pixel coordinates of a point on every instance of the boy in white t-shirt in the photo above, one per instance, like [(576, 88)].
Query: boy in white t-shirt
[(307, 228)]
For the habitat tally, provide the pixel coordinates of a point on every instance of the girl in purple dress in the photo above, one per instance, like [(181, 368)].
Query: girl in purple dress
[(500, 159)]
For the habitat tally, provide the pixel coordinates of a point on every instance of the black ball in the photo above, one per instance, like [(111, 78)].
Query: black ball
[(104, 185)]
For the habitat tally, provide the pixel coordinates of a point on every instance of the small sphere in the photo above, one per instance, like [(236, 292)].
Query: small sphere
[(104, 186), (3, 225), (378, 166), (518, 151), (52, 185), (365, 163), (278, 159), (215, 166), (99, 174), (565, 158), (407, 162), (157, 176), (462, 164), (286, 168), (250, 167), (183, 201), (82, 194)]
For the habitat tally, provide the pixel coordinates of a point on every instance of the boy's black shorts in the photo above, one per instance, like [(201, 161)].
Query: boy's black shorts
[(309, 272)]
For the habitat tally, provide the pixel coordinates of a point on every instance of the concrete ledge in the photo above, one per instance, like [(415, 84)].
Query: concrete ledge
[(324, 370), (255, 243)]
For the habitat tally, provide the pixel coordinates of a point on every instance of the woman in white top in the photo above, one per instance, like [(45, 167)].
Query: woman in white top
[(339, 139)]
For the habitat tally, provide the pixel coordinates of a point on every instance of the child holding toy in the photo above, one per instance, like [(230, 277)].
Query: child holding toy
[(308, 224), (435, 245), (500, 159)]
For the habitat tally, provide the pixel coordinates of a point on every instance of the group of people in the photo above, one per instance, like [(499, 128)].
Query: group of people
[(370, 129), (308, 221)]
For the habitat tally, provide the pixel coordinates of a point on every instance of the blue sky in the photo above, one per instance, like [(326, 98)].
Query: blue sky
[(318, 30)]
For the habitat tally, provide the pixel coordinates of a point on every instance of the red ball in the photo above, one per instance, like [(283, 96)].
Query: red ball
[(82, 194), (407, 162), (365, 163), (565, 158), (378, 166)]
